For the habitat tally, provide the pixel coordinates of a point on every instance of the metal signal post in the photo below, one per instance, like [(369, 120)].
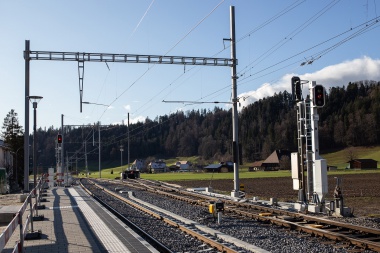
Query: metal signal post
[(311, 190)]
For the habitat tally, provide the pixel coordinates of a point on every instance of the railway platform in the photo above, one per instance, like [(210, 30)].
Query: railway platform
[(74, 222)]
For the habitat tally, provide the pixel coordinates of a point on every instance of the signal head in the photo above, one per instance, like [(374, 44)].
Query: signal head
[(296, 89), (59, 138), (319, 95)]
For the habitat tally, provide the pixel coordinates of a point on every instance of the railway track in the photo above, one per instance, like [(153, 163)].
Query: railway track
[(359, 237), (209, 242)]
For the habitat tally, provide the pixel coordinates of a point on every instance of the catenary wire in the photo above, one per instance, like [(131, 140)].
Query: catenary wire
[(331, 48), (176, 44)]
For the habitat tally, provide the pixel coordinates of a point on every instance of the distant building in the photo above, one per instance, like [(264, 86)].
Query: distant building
[(363, 164), (6, 167), (278, 160), (220, 167), (213, 168), (183, 165), (256, 166), (6, 157), (138, 164), (173, 168), (157, 166)]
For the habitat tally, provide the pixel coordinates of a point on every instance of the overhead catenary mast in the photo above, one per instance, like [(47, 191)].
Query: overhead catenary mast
[(235, 138), (81, 58)]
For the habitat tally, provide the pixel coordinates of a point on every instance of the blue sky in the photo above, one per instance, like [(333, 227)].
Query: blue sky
[(273, 39)]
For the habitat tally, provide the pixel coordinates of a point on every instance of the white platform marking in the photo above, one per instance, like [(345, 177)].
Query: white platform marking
[(106, 236)]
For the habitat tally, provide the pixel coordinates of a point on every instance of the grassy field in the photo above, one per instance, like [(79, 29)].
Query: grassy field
[(338, 158), (180, 176)]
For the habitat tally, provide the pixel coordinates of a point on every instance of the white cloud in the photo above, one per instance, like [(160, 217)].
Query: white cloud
[(340, 74), (131, 121), (127, 107), (134, 120)]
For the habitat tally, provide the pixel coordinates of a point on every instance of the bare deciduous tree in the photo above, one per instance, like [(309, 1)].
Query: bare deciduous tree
[(351, 153)]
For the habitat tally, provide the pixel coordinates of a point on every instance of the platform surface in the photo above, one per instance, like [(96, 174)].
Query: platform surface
[(74, 222)]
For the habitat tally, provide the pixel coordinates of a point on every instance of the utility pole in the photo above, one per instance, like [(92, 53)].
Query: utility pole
[(121, 155), (85, 157), (128, 141), (100, 156), (235, 135), (26, 133), (67, 170), (62, 147)]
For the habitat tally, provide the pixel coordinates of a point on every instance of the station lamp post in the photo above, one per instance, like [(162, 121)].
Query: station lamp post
[(34, 100), (17, 164), (121, 155)]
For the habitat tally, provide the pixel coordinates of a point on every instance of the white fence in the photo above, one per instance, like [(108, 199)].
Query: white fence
[(23, 219)]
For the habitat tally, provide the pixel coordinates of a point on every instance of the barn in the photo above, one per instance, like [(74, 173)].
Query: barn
[(363, 164), (220, 167), (278, 160)]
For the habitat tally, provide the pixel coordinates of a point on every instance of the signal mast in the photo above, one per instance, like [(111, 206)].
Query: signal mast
[(312, 188)]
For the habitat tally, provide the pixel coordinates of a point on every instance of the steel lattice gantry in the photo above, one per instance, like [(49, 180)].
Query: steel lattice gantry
[(123, 58), (133, 58), (127, 58), (82, 57)]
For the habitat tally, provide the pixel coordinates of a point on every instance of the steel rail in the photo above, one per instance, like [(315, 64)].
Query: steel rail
[(201, 237), (301, 222), (321, 232), (157, 244)]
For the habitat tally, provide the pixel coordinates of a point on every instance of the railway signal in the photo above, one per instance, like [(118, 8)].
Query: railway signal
[(59, 138), (296, 89), (312, 188), (319, 95)]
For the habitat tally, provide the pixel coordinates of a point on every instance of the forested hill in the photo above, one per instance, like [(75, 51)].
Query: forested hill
[(351, 117)]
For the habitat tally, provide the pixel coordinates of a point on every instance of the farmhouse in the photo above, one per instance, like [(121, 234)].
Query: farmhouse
[(157, 166), (278, 160), (138, 164), (183, 165)]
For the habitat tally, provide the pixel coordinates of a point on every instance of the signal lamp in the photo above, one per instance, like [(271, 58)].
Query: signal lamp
[(319, 95), (296, 89), (59, 138)]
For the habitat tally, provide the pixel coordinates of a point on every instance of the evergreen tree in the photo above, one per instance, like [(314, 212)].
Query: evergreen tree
[(13, 136), (350, 117)]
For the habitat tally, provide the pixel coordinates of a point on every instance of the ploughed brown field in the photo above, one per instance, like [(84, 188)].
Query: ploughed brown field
[(361, 192)]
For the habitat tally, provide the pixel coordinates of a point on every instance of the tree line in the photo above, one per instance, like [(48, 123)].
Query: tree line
[(349, 118)]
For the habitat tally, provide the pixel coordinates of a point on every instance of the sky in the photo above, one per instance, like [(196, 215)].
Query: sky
[(331, 42)]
